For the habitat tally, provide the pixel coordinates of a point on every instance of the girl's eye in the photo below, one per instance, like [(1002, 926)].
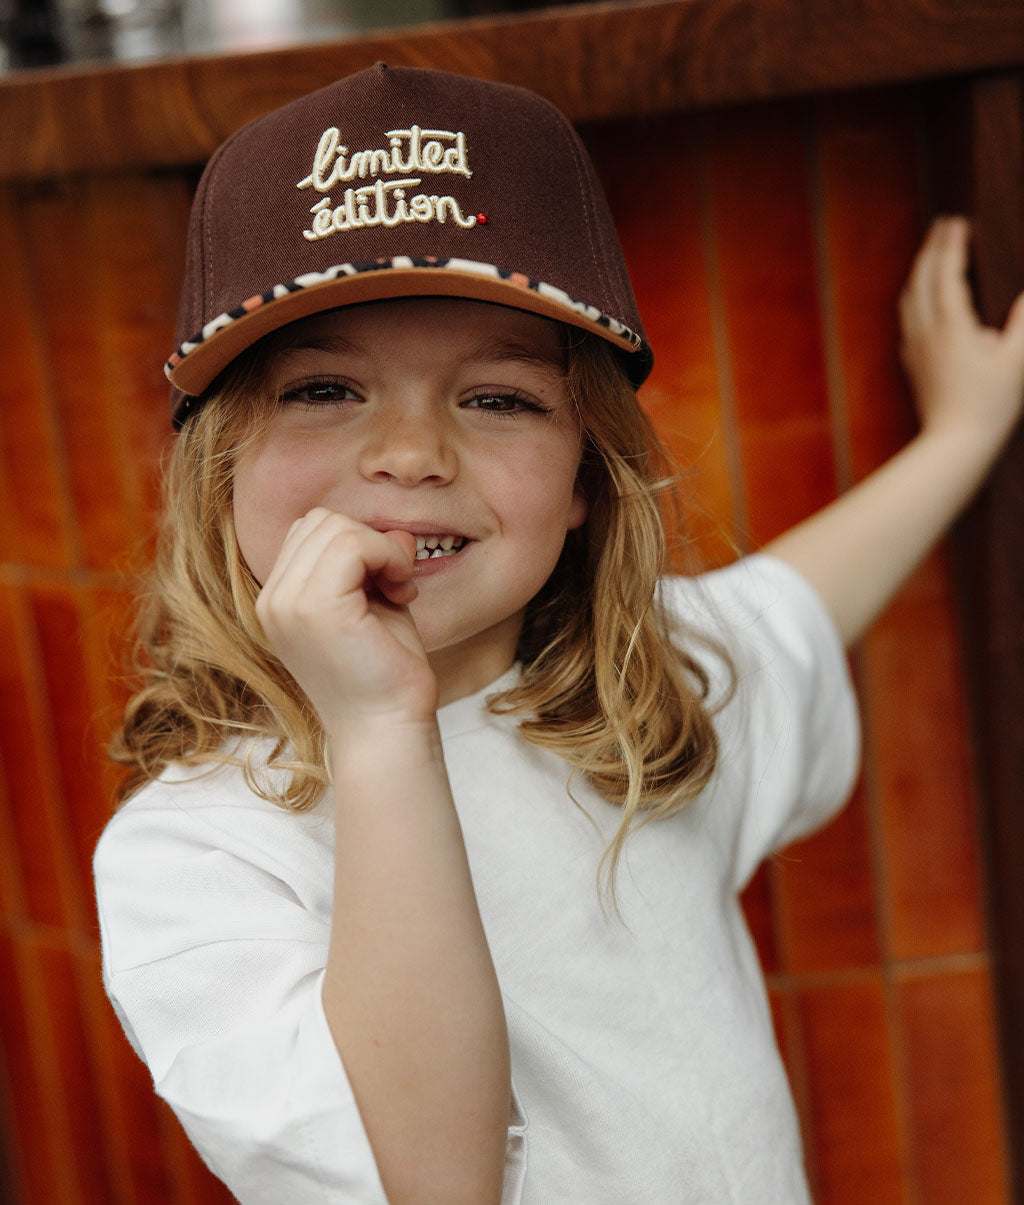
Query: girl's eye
[(503, 403), (320, 392)]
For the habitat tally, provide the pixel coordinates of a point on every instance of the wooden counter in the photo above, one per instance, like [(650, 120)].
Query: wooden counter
[(771, 165), (595, 62)]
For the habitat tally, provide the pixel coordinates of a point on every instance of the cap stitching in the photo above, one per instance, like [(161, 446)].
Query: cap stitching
[(208, 256), (206, 241), (572, 138)]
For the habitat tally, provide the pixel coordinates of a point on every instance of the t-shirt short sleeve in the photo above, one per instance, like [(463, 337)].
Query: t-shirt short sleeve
[(213, 960), (789, 734)]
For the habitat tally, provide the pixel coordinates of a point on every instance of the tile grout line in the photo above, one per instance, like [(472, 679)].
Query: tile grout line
[(71, 535), (106, 297), (103, 1076), (12, 1171), (798, 1071), (72, 941), (84, 955), (26, 639), (902, 971), (800, 1062), (831, 336), (46, 1061), (15, 896), (729, 411), (23, 574)]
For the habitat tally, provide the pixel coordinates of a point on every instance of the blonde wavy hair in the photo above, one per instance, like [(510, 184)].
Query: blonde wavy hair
[(610, 682)]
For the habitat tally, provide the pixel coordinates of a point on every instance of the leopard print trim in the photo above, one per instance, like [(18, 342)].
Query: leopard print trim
[(616, 328)]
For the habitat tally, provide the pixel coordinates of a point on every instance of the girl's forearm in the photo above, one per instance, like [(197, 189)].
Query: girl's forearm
[(410, 992), (859, 550)]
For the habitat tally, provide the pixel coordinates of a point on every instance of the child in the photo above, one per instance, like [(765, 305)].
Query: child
[(425, 889)]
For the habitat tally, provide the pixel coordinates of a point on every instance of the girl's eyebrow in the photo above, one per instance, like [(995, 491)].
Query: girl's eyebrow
[(503, 349), (496, 349), (330, 343)]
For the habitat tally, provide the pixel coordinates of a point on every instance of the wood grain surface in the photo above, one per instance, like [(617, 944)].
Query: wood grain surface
[(594, 61)]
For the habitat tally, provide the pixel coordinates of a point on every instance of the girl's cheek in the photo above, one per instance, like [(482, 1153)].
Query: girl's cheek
[(291, 476), (261, 523)]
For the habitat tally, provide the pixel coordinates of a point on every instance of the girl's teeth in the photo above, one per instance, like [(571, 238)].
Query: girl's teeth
[(428, 547)]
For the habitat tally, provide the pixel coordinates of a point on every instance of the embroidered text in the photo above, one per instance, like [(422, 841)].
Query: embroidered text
[(386, 202)]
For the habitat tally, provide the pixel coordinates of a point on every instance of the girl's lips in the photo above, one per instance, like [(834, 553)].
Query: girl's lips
[(420, 530)]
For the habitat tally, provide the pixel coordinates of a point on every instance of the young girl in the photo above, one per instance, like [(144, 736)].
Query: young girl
[(425, 888)]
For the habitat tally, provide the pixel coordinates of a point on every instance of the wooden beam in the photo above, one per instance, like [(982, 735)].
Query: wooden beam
[(596, 61), (978, 141), (998, 642)]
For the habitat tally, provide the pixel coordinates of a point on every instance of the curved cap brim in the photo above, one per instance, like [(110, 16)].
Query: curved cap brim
[(199, 360)]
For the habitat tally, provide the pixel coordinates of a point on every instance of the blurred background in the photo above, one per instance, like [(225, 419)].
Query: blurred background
[(771, 167), (36, 33)]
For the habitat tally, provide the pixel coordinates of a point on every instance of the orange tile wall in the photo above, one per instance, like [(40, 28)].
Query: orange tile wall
[(767, 246)]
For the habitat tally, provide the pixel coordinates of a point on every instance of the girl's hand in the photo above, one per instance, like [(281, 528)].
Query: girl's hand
[(335, 610), (969, 384), (968, 379)]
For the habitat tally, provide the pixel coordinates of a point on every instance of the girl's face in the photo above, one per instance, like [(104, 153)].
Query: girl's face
[(445, 418)]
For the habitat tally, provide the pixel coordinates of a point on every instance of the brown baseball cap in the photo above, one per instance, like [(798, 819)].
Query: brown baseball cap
[(398, 182)]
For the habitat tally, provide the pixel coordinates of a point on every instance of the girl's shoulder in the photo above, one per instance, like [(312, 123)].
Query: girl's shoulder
[(189, 794), (757, 608), (243, 773), (746, 590), (225, 805)]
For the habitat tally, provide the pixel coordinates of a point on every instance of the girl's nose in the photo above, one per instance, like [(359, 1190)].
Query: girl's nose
[(409, 450)]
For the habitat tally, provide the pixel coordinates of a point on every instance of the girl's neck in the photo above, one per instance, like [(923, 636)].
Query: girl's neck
[(473, 664)]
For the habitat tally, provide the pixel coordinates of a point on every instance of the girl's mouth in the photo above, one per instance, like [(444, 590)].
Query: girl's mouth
[(430, 548)]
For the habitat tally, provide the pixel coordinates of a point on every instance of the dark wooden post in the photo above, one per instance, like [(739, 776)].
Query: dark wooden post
[(986, 177)]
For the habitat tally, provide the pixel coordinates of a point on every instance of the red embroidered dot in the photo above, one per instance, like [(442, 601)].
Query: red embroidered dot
[(482, 219)]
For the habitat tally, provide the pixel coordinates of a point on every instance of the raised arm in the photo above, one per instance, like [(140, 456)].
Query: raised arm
[(968, 384)]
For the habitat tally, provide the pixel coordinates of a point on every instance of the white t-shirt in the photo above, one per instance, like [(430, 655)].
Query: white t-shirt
[(644, 1066)]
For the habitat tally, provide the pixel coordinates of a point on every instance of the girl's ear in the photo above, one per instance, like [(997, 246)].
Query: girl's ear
[(578, 510)]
